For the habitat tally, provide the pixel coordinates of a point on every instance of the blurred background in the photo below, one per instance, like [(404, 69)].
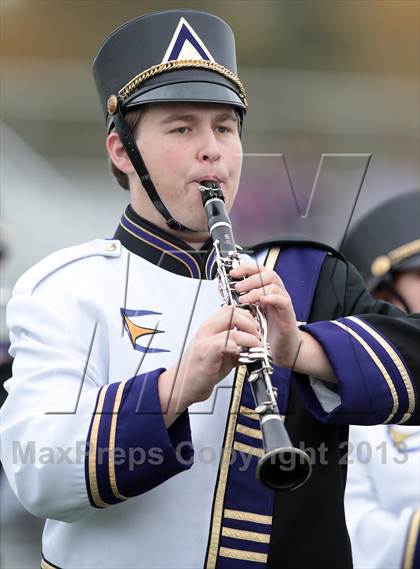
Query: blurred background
[(324, 77)]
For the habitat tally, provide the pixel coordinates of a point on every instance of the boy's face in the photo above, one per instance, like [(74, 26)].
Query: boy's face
[(183, 144), (407, 285)]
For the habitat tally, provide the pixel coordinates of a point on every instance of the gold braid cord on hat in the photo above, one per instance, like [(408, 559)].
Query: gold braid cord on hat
[(384, 263), (172, 65)]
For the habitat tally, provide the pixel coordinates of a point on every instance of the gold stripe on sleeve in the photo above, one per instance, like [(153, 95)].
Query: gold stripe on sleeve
[(247, 535), (412, 537), (93, 443), (248, 517), (379, 365), (398, 364), (112, 434), (243, 555), (254, 433)]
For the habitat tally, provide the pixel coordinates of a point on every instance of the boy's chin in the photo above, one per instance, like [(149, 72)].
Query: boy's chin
[(198, 231)]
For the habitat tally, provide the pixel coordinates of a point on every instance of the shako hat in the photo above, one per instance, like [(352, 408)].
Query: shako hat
[(177, 56), (386, 240), (172, 56)]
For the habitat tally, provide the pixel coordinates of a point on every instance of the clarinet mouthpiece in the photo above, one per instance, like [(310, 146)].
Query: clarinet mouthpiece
[(210, 189)]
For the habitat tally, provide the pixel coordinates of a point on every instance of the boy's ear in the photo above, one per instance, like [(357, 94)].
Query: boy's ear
[(117, 153)]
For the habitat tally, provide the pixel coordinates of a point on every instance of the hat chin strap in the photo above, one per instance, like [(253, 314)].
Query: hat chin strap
[(137, 161)]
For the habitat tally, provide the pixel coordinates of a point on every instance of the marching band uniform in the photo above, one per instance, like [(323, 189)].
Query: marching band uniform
[(88, 350), (382, 498), (92, 328)]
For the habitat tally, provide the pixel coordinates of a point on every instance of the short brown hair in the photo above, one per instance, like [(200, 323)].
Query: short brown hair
[(133, 120)]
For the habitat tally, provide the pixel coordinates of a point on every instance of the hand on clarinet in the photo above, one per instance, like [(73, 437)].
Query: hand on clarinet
[(289, 346), (264, 287), (209, 357)]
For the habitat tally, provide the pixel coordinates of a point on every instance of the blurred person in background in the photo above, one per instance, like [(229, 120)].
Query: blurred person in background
[(5, 357), (20, 532), (124, 427), (383, 480)]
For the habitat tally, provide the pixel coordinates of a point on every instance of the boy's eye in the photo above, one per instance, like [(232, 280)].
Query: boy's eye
[(181, 129)]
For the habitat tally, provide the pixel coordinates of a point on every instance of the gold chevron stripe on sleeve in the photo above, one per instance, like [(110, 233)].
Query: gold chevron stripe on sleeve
[(248, 449), (379, 365), (412, 538), (93, 443), (247, 535), (112, 434), (254, 433), (243, 555), (247, 516), (398, 364)]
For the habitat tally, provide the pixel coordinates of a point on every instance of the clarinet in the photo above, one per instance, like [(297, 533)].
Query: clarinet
[(282, 466)]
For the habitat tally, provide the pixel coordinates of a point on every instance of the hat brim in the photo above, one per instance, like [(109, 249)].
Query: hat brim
[(411, 263), (185, 86), (194, 92)]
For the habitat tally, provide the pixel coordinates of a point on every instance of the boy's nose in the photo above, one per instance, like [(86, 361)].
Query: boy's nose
[(209, 150)]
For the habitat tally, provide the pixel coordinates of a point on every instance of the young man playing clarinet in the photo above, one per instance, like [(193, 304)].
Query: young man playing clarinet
[(130, 373)]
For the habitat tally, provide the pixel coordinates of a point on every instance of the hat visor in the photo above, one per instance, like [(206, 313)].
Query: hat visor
[(193, 92), (409, 264)]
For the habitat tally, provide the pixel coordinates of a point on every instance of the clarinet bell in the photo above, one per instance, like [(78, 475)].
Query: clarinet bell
[(284, 469)]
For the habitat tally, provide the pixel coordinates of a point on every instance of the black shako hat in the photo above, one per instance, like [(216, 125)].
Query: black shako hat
[(176, 56), (172, 56), (386, 240)]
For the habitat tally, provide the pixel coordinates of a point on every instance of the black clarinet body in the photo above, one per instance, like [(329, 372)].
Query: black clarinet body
[(282, 466)]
